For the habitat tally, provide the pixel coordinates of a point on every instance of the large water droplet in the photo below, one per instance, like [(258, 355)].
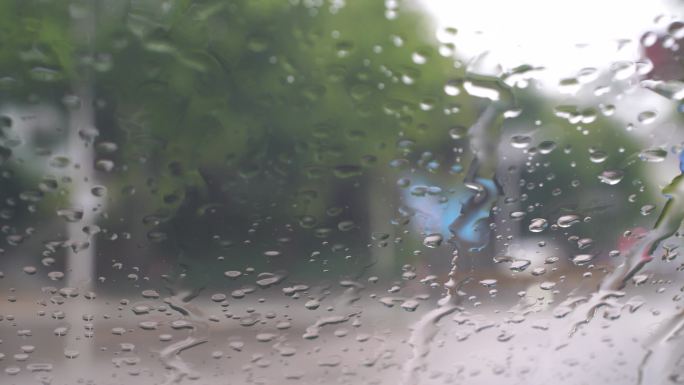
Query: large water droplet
[(538, 225), (611, 177), (653, 155), (566, 221), (582, 259), (521, 141), (433, 240)]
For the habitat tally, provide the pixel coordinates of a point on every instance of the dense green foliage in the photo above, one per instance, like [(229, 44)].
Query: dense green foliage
[(227, 113)]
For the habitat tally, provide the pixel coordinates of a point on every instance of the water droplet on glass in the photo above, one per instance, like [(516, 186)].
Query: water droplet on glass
[(71, 214), (653, 155), (582, 259), (672, 89), (598, 157), (521, 141), (566, 221), (452, 87), (647, 209), (520, 265), (611, 177), (433, 240), (458, 132), (538, 225), (647, 117)]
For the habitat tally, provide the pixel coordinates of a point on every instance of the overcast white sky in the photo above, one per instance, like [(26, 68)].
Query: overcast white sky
[(564, 37), (547, 33)]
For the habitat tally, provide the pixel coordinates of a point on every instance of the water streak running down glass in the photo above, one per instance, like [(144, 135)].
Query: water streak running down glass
[(355, 192)]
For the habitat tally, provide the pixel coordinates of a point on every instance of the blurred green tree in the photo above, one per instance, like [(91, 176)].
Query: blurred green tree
[(220, 114)]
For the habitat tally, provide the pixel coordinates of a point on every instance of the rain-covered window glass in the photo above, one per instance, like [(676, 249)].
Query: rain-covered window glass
[(341, 192)]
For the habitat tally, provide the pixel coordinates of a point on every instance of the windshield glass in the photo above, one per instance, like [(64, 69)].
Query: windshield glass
[(394, 192)]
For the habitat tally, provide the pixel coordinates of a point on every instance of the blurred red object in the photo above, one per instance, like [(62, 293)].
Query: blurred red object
[(665, 52), (630, 239)]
